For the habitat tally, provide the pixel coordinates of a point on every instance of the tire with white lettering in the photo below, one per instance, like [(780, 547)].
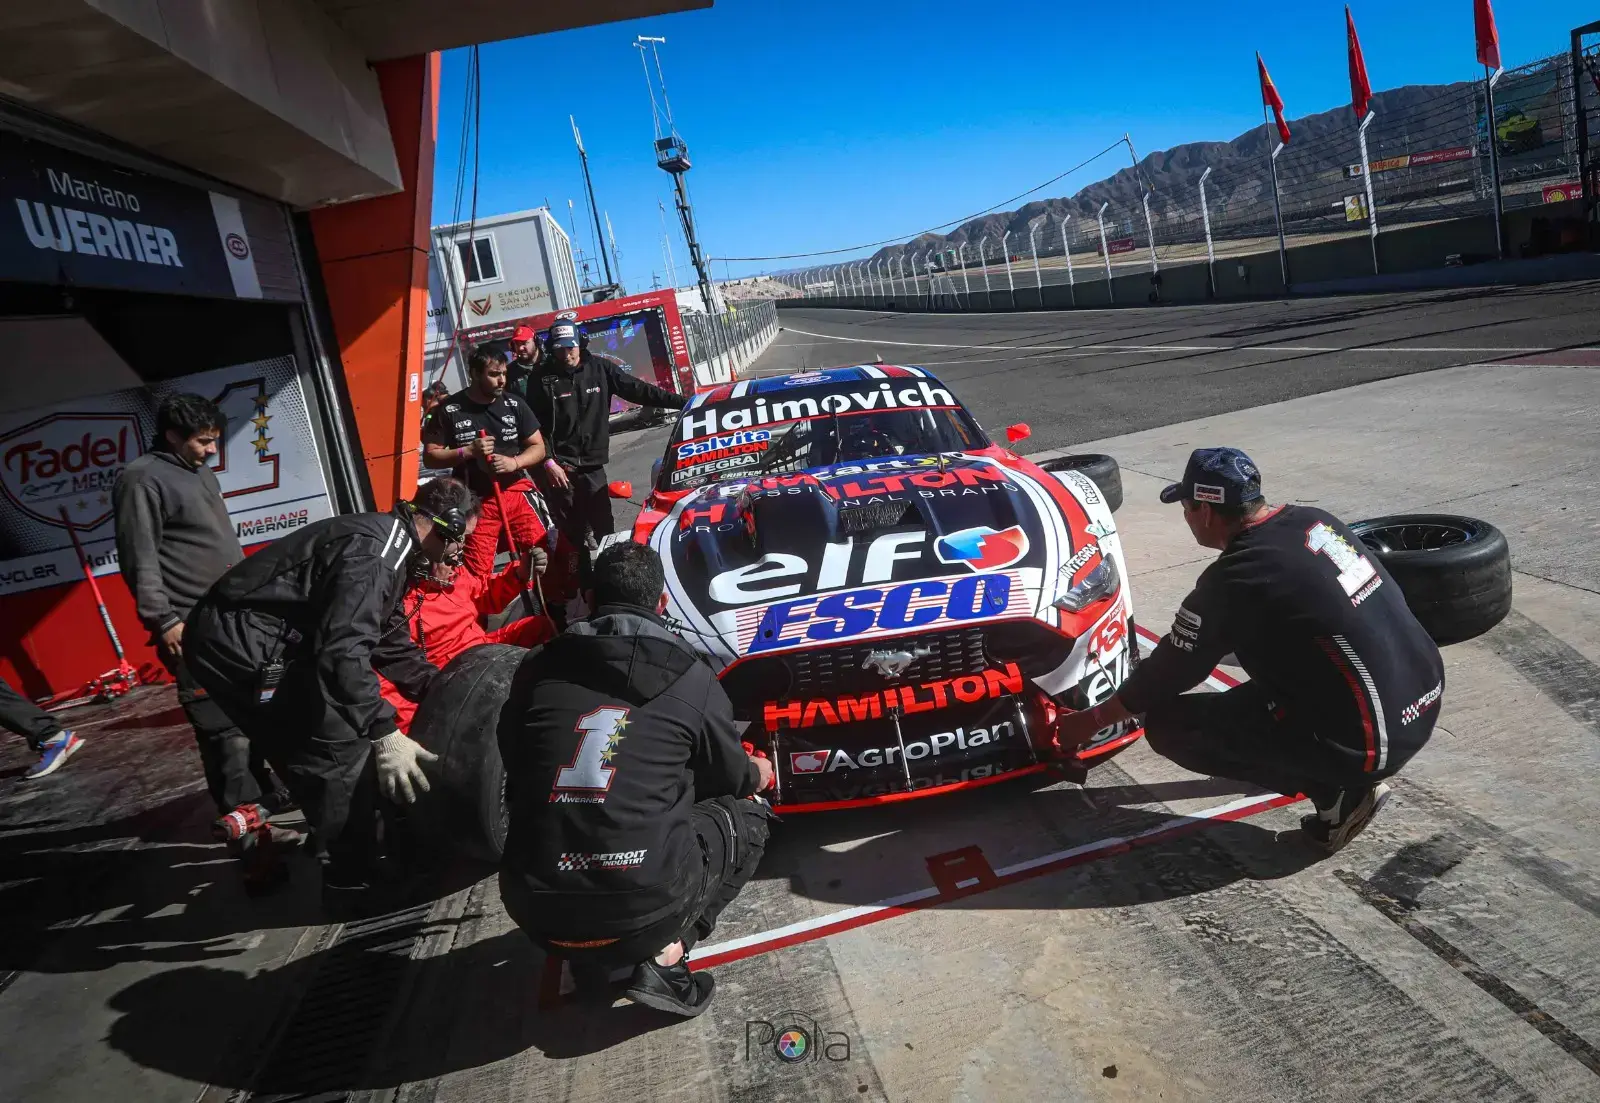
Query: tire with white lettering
[(1102, 469), (1455, 572), (465, 808)]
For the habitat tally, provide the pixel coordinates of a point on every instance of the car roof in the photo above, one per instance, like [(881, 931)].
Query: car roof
[(777, 384)]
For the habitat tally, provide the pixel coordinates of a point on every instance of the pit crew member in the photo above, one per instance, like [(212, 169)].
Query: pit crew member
[(1345, 685), (445, 604), (288, 642), (625, 783), (487, 436)]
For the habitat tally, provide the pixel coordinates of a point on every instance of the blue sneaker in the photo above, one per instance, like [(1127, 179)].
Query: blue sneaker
[(53, 754)]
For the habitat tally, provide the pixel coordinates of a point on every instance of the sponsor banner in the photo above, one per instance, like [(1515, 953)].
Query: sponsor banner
[(957, 741), (66, 459), (1414, 160), (1560, 193), (730, 415), (69, 219), (876, 704)]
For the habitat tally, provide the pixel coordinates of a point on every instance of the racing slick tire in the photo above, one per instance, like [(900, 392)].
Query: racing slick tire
[(1102, 469), (1455, 572), (458, 720)]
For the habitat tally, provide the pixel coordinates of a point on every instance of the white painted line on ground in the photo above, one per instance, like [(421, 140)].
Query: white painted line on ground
[(1124, 347)]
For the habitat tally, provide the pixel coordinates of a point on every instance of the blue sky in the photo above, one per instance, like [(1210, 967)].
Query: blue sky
[(822, 124)]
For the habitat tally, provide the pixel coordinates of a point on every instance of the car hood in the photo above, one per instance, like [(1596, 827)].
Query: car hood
[(874, 549)]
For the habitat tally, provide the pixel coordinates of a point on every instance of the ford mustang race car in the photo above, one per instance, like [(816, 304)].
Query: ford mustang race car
[(897, 605)]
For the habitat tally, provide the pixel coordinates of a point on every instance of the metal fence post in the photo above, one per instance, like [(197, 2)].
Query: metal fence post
[(1105, 251), (1493, 130), (1005, 252), (961, 259), (1033, 247), (983, 258), (1150, 235), (1205, 217), (1366, 183), (1277, 211), (1066, 254)]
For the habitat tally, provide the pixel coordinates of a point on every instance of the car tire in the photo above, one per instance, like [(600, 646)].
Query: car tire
[(1102, 469), (464, 809), (1455, 572)]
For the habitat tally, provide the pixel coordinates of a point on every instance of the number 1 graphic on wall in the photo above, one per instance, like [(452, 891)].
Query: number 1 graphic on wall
[(590, 770)]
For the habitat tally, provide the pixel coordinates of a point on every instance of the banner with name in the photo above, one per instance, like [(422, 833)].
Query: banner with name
[(69, 219), (58, 466)]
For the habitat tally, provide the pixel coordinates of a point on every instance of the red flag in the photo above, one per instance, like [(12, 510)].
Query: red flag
[(1488, 33), (1360, 86), (1270, 98)]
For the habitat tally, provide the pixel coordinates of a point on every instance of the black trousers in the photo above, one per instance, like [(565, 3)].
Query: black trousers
[(329, 769), (584, 507), (1238, 735), (236, 771), (22, 716), (732, 834)]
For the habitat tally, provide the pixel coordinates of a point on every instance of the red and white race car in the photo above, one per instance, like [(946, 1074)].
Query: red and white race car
[(898, 606)]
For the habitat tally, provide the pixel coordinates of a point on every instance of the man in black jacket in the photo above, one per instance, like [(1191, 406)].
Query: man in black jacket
[(571, 396), (631, 827), (1344, 686), (287, 643), (174, 539)]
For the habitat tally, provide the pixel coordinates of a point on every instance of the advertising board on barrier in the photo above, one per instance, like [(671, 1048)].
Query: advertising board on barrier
[(58, 466), (1414, 160)]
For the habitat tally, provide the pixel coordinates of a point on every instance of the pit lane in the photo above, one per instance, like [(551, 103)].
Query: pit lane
[(1447, 954)]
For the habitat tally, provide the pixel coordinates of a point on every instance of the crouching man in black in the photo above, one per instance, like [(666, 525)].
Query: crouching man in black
[(627, 786), (287, 643)]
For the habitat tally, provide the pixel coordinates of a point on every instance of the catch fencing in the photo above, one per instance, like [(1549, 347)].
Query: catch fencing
[(1430, 161), (722, 345)]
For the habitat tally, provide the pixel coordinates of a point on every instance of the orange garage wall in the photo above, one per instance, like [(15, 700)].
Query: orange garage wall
[(374, 258)]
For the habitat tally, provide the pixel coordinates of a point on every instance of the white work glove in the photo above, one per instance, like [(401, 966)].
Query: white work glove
[(400, 760)]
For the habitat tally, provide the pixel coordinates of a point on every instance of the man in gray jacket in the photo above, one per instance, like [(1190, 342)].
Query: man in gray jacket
[(174, 539)]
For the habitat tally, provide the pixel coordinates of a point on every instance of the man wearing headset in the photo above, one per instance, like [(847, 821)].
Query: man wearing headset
[(289, 644)]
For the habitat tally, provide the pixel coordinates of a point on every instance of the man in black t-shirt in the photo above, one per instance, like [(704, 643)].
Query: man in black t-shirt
[(1344, 686), (486, 436)]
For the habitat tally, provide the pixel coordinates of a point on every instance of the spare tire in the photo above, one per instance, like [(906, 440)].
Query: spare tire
[(1103, 470), (465, 807), (1455, 572)]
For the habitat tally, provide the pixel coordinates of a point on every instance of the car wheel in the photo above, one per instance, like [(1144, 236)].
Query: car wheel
[(1455, 572), (1100, 468), (458, 720)]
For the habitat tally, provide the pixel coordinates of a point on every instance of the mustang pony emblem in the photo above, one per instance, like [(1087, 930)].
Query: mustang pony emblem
[(892, 664)]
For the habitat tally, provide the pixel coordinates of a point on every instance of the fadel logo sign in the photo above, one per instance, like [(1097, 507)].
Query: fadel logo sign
[(68, 461)]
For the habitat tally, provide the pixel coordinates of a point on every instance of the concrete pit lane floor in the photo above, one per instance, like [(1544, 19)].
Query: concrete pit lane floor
[(1181, 942)]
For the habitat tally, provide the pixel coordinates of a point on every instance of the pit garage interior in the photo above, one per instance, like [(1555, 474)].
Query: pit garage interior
[(1151, 934)]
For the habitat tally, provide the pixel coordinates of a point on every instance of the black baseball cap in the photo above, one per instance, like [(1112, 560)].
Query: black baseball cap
[(564, 335), (1221, 476)]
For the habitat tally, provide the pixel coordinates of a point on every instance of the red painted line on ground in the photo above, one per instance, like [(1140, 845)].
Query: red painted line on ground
[(851, 919)]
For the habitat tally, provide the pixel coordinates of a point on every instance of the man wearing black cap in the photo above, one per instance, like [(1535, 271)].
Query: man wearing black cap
[(1344, 686), (571, 394)]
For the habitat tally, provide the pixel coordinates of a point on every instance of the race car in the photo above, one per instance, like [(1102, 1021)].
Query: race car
[(897, 605)]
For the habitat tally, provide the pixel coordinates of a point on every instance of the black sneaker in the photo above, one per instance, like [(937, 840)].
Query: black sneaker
[(671, 988), (1329, 829)]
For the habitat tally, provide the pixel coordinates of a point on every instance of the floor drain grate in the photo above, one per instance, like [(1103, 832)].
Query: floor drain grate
[(327, 1043)]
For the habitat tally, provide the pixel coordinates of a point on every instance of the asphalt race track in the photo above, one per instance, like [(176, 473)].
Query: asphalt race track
[(1152, 934)]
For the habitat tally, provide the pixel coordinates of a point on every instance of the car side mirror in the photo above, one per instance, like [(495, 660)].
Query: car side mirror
[(1018, 432), (622, 488)]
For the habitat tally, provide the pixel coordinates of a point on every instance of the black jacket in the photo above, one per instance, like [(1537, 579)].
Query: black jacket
[(174, 535), (610, 736), (1316, 620), (336, 585), (574, 406)]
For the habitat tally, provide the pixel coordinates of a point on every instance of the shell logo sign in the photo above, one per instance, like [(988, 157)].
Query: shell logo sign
[(68, 462)]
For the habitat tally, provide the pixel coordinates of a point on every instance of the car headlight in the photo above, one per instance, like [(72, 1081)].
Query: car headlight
[(1101, 582)]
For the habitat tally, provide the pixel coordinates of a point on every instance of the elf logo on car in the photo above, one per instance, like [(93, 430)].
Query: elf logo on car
[(983, 548), (807, 762), (1106, 679)]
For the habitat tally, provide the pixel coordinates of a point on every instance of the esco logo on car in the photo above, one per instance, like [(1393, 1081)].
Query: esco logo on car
[(876, 611)]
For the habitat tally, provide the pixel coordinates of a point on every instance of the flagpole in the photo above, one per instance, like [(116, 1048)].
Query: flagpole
[(1493, 131), (1366, 180), (1277, 204)]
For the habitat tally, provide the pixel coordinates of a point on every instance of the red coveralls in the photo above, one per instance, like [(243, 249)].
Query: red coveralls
[(446, 620), (529, 520)]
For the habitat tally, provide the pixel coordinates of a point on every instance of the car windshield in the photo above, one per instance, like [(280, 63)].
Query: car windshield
[(813, 427)]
